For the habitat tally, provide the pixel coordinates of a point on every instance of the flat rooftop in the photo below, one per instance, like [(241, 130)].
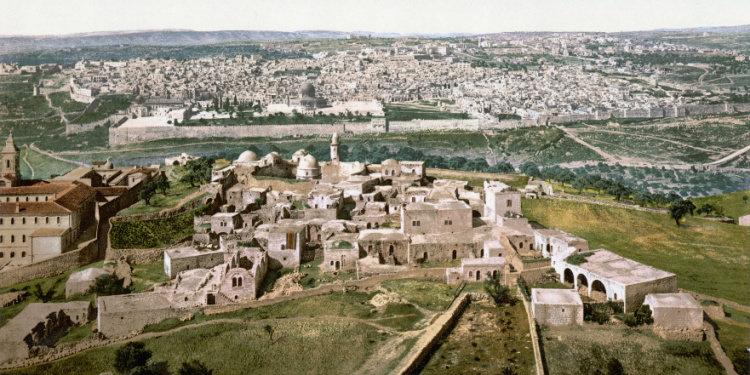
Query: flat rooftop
[(483, 261), (674, 300), (622, 270), (186, 252), (145, 122), (556, 297), (133, 302)]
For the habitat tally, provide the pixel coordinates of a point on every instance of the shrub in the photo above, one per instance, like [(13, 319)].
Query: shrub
[(643, 315), (578, 259), (130, 356), (108, 285), (499, 292)]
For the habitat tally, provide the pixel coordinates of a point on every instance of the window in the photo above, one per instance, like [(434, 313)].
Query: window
[(1, 221), (36, 220), (23, 238), (12, 221), (46, 220), (449, 222), (415, 223), (2, 255), (37, 199), (12, 254), (23, 220), (58, 220), (509, 203), (12, 239), (1, 239), (23, 254)]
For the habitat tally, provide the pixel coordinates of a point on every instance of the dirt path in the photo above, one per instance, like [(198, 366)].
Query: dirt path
[(33, 147), (57, 109), (730, 156), (386, 353), (29, 164), (721, 356), (492, 153), (603, 154), (657, 138)]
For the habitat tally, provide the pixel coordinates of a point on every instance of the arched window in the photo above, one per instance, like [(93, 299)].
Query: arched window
[(234, 282), (58, 219), (23, 254), (23, 220), (23, 238), (12, 254), (239, 281), (471, 274), (2, 255), (12, 239), (46, 220), (7, 163), (1, 239), (36, 220), (12, 221)]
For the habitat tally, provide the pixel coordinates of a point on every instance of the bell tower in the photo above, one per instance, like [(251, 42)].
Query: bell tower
[(335, 148), (10, 173)]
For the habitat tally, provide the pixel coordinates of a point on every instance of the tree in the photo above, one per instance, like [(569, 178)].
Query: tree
[(194, 367), (130, 356), (147, 193), (235, 100), (41, 295), (499, 292), (579, 183), (643, 315), (269, 329), (678, 210), (109, 285), (162, 185), (744, 198)]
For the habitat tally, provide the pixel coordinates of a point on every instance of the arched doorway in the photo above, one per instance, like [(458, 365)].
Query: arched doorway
[(478, 275), (494, 275), (582, 280), (424, 256), (598, 286), (390, 250), (337, 265), (454, 255), (568, 277)]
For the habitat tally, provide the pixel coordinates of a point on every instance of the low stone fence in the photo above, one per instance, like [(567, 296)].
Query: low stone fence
[(85, 254), (605, 203), (141, 256), (535, 338), (432, 335)]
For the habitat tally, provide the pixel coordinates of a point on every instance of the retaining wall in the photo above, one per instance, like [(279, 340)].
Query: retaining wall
[(49, 267)]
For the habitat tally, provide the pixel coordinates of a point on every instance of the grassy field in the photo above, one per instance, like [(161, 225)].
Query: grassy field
[(588, 350), (62, 99), (108, 105), (426, 294), (735, 340), (486, 339), (413, 111), (44, 166), (731, 204), (306, 346), (708, 257), (153, 233), (174, 195)]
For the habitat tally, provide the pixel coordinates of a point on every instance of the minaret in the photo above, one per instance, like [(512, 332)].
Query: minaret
[(335, 148), (10, 157)]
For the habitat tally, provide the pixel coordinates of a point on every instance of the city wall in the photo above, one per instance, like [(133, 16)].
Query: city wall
[(119, 135)]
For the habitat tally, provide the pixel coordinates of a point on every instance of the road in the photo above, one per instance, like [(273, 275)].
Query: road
[(33, 147), (603, 154)]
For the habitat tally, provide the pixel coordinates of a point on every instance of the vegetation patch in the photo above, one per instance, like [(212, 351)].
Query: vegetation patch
[(426, 294), (153, 233), (735, 340)]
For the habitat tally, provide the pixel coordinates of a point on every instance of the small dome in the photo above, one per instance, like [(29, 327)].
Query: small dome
[(247, 156), (389, 162), (309, 162), (300, 153), (307, 90)]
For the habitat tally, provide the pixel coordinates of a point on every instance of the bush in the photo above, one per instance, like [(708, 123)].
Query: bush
[(130, 356), (643, 315), (595, 313), (578, 259), (194, 367), (499, 292), (109, 285)]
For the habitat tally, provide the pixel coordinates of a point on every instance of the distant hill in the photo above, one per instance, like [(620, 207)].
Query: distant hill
[(155, 38), (15, 44)]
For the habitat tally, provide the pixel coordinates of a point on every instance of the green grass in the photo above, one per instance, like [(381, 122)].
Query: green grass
[(588, 350), (109, 105), (309, 347), (148, 274), (731, 204), (153, 233), (77, 333), (408, 112), (62, 99), (160, 202), (737, 315), (408, 316), (735, 340), (44, 166), (426, 294), (708, 257)]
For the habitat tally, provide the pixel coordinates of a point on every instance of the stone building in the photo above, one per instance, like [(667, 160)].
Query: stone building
[(189, 258), (501, 200), (446, 216), (557, 307), (341, 252), (675, 311), (477, 269), (308, 168)]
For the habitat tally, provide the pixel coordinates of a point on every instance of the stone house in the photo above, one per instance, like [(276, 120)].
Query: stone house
[(447, 216), (189, 258), (675, 311), (286, 243), (226, 222), (557, 307), (477, 269), (389, 246), (500, 200), (341, 252)]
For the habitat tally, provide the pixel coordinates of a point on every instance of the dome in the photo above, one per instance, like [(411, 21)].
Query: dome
[(300, 153), (389, 162), (307, 90), (309, 162), (247, 157)]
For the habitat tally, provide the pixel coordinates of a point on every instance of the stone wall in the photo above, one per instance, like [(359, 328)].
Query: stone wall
[(73, 128), (87, 253)]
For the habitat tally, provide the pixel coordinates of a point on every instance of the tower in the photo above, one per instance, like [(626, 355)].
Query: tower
[(335, 148), (10, 173)]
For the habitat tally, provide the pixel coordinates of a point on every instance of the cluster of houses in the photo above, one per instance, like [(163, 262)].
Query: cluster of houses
[(377, 219)]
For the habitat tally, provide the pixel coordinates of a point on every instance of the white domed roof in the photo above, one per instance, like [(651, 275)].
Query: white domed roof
[(309, 162), (247, 156), (389, 162), (300, 153)]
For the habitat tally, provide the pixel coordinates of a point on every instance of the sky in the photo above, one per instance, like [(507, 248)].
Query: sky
[(53, 17)]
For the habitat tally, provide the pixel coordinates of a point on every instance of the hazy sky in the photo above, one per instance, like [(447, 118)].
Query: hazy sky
[(44, 17)]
